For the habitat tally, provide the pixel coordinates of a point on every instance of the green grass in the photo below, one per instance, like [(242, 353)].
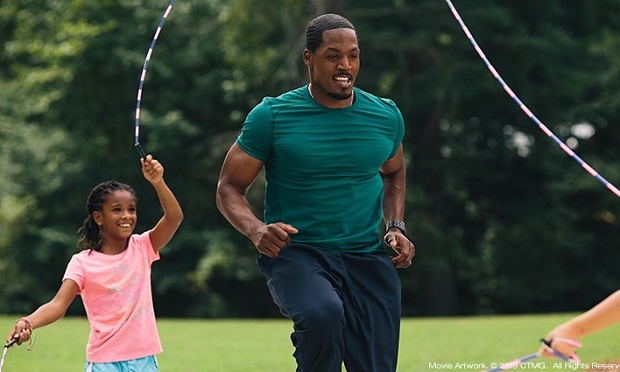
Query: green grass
[(264, 345)]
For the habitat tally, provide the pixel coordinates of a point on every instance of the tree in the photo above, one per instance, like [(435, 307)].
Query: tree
[(495, 208)]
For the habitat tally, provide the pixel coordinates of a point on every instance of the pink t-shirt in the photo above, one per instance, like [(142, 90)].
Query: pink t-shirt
[(116, 292)]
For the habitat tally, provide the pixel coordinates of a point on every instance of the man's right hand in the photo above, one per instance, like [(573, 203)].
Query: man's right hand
[(270, 239)]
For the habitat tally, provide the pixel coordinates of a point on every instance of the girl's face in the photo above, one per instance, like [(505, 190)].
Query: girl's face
[(117, 218)]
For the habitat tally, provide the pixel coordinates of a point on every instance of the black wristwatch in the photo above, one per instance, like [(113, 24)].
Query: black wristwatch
[(400, 225)]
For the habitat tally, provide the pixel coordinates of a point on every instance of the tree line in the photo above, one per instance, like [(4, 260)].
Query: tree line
[(503, 220)]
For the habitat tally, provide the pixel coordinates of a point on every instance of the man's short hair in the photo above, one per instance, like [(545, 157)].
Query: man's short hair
[(322, 23)]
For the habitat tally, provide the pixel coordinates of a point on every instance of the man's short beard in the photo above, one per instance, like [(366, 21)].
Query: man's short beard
[(340, 96)]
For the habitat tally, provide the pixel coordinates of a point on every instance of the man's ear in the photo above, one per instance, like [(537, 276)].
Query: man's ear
[(307, 57)]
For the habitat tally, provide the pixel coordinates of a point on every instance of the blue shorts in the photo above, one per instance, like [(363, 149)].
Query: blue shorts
[(146, 364)]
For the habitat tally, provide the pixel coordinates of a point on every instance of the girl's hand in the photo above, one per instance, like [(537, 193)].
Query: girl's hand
[(152, 169), (21, 331), (562, 339)]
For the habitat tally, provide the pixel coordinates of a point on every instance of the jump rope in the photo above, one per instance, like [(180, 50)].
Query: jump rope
[(492, 69), (149, 54), (573, 358), (11, 343), (526, 110), (6, 347), (546, 343), (565, 148)]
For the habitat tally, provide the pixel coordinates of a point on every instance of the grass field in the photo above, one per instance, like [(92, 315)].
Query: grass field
[(427, 344)]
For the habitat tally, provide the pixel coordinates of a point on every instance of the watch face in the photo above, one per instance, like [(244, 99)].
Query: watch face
[(397, 224)]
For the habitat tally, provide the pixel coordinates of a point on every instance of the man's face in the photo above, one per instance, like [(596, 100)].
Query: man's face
[(334, 66)]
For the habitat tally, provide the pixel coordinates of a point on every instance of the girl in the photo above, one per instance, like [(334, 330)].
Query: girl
[(112, 275), (564, 337)]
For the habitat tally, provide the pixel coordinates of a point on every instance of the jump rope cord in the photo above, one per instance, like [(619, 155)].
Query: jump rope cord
[(527, 111), (555, 139), (149, 54), (573, 358), (3, 356), (5, 349), (492, 69)]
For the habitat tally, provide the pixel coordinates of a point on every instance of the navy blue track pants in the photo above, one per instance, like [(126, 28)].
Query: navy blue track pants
[(344, 307)]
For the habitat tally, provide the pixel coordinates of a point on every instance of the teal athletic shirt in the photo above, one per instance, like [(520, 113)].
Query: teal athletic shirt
[(322, 166)]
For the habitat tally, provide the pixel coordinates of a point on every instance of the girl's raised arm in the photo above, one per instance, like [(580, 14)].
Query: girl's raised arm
[(165, 228)]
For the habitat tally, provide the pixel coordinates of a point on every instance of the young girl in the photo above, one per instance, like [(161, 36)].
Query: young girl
[(112, 275)]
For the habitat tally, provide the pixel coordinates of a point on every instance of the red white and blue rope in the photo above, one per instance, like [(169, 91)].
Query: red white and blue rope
[(149, 54), (526, 110)]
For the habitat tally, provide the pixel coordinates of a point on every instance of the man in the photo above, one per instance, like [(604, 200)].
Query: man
[(334, 167)]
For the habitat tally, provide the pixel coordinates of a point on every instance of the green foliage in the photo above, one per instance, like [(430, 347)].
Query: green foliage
[(503, 220), (35, 167)]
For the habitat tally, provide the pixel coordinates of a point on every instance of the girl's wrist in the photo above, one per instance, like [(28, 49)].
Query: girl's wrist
[(30, 327), (27, 321)]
